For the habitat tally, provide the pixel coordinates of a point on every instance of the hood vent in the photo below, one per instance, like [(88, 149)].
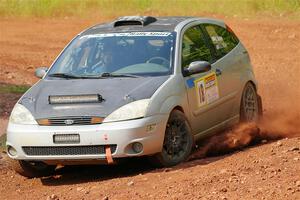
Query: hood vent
[(73, 99), (134, 20)]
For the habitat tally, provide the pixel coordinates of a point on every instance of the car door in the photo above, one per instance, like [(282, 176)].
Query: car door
[(202, 88), (228, 68)]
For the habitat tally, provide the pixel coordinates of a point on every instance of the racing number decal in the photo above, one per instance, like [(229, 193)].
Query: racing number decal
[(207, 90)]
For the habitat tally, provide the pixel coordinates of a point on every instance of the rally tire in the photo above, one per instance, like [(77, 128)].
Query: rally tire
[(178, 142), (251, 104)]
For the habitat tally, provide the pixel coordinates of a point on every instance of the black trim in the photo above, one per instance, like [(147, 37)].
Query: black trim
[(134, 20), (67, 150)]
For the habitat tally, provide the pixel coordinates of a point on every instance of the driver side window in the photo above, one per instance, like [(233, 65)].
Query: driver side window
[(194, 47)]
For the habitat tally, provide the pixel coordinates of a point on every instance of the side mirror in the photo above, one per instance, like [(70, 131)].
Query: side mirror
[(197, 67), (40, 72)]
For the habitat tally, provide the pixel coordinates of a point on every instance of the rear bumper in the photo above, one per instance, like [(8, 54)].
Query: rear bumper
[(122, 134)]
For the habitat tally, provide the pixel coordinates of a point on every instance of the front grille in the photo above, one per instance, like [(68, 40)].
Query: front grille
[(67, 121), (67, 150), (76, 120)]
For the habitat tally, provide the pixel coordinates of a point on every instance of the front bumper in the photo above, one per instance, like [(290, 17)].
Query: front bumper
[(122, 134)]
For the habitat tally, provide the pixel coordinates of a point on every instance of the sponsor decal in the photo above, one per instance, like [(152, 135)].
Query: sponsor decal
[(207, 90), (129, 34)]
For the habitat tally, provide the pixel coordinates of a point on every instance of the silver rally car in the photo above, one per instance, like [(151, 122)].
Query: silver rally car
[(133, 87)]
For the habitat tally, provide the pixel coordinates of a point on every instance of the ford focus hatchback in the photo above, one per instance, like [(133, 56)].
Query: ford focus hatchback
[(136, 86)]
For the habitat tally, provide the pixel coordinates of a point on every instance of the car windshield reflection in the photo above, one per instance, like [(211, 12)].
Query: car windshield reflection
[(133, 53)]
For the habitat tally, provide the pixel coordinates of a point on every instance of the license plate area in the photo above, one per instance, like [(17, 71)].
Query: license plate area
[(66, 139)]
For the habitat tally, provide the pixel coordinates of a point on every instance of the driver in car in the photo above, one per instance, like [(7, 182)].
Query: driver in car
[(103, 62)]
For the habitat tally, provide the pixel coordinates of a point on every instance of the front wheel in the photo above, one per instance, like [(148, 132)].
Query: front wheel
[(178, 141), (32, 169)]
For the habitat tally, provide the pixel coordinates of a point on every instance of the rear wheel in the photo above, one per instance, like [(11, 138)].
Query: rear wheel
[(178, 141), (250, 110), (32, 169)]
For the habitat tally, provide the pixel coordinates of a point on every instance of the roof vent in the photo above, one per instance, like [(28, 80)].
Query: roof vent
[(134, 20)]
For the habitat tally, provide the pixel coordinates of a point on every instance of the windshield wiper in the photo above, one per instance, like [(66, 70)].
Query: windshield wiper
[(63, 75), (103, 75), (107, 74)]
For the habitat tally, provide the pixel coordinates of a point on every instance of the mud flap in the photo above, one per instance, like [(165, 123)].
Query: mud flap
[(108, 155)]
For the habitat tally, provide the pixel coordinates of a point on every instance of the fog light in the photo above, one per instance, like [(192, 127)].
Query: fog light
[(12, 151), (137, 147)]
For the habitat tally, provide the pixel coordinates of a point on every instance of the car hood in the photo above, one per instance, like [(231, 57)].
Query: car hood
[(116, 92)]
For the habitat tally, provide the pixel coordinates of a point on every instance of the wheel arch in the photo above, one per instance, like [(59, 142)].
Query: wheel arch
[(179, 108), (173, 103)]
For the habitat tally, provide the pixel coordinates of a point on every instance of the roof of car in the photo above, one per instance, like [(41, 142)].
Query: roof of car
[(131, 23)]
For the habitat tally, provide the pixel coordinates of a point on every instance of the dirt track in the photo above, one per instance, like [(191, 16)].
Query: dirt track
[(264, 171)]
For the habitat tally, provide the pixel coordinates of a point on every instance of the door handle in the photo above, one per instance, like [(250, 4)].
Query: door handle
[(218, 72)]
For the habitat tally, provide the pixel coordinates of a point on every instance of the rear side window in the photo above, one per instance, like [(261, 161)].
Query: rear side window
[(194, 47), (223, 40)]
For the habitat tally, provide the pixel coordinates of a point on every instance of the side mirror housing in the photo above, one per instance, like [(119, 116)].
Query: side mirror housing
[(40, 72), (197, 67)]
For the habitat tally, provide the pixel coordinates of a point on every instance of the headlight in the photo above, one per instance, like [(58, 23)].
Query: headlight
[(133, 110), (20, 115)]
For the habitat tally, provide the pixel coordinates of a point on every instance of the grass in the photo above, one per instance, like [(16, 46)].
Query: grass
[(113, 8), (19, 89)]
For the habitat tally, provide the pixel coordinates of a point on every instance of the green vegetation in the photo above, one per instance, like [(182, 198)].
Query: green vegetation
[(113, 8), (13, 88)]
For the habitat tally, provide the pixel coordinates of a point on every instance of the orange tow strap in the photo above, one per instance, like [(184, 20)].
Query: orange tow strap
[(108, 155)]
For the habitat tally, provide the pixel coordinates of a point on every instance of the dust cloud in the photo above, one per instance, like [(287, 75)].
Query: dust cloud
[(280, 92), (281, 123)]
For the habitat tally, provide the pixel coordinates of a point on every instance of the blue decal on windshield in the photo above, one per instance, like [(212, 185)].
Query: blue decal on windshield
[(190, 83)]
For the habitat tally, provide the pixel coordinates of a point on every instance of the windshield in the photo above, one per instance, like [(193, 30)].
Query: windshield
[(132, 53)]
